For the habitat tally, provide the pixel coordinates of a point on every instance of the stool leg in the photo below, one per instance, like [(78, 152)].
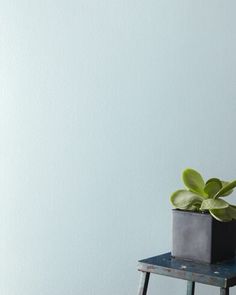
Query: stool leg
[(190, 288), (224, 291), (143, 285)]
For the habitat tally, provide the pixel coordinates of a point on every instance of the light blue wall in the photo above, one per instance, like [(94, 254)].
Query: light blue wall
[(103, 104)]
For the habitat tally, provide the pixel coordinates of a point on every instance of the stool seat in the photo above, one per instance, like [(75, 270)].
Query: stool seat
[(222, 274)]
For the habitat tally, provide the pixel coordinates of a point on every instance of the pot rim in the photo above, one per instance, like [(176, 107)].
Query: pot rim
[(191, 212)]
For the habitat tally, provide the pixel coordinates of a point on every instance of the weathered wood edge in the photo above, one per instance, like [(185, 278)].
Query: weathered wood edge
[(186, 275)]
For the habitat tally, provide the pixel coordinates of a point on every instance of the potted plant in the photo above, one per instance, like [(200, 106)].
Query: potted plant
[(203, 223)]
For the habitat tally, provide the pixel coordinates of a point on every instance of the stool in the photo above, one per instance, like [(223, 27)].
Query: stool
[(222, 274)]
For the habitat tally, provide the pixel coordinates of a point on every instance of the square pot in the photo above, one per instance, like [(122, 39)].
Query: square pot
[(200, 237)]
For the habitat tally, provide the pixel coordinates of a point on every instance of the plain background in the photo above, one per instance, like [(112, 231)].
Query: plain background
[(102, 105)]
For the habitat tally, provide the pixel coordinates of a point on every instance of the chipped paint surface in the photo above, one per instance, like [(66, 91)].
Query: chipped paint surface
[(222, 274)]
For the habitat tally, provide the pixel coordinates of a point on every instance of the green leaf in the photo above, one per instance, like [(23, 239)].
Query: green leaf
[(226, 189), (224, 183), (215, 180), (221, 214), (209, 204), (194, 181), (183, 199), (196, 207), (226, 214), (212, 186), (232, 211)]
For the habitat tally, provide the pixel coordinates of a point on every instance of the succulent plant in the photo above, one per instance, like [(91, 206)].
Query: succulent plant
[(201, 196)]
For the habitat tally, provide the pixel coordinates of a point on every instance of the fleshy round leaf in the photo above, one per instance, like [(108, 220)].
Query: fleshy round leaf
[(212, 186), (209, 204), (214, 178), (226, 189), (194, 181), (183, 199), (224, 183), (232, 211), (221, 214)]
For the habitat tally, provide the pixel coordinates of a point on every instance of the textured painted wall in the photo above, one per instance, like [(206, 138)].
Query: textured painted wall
[(103, 104)]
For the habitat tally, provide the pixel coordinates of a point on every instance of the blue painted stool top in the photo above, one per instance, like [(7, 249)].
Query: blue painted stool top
[(222, 274)]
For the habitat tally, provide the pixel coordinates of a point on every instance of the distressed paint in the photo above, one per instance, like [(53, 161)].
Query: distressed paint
[(221, 274), (143, 285), (190, 288), (224, 291)]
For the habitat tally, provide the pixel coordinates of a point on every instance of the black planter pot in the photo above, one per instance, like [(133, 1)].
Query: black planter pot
[(200, 237)]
